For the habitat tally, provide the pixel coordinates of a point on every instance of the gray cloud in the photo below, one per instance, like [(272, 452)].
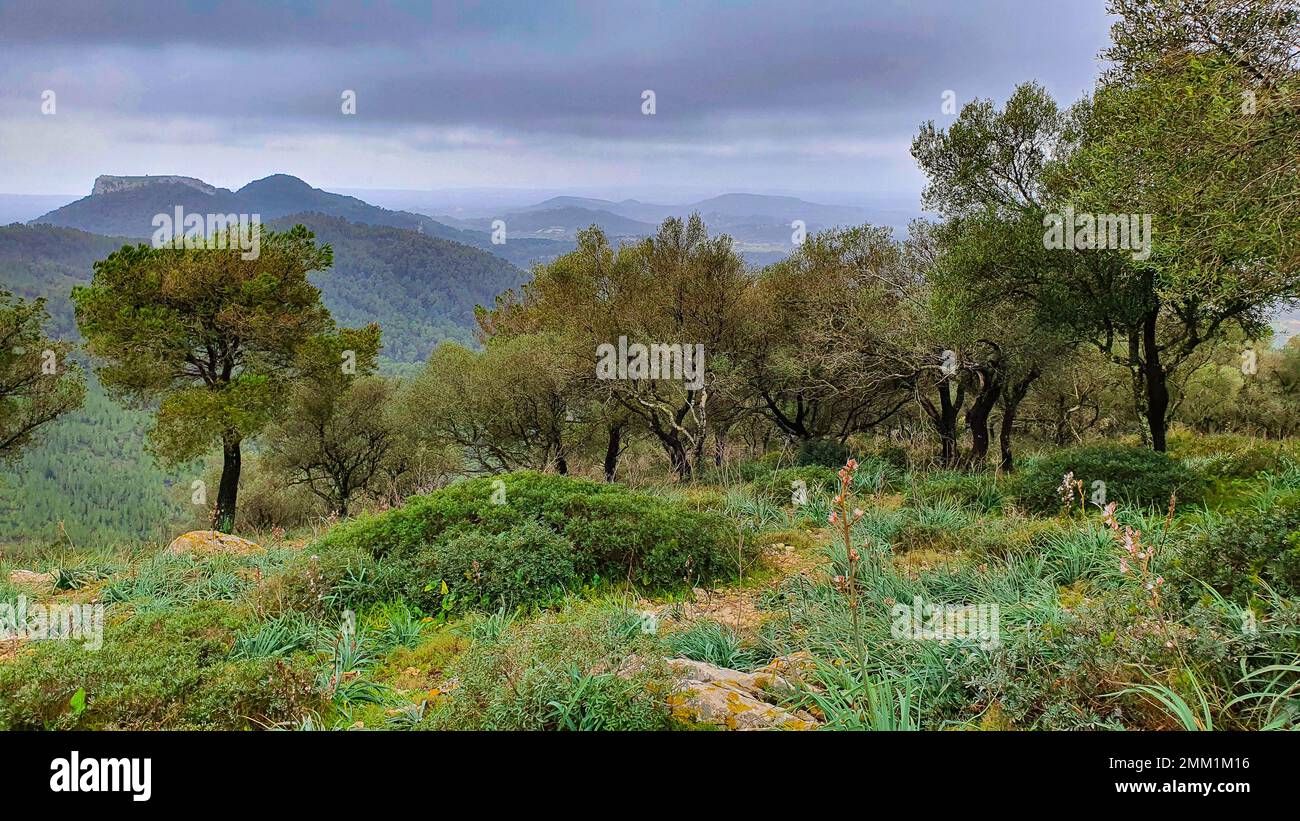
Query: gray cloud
[(777, 87)]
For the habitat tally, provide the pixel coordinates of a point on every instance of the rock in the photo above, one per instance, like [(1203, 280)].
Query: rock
[(709, 694), (30, 580), (212, 543), (108, 184), (764, 680)]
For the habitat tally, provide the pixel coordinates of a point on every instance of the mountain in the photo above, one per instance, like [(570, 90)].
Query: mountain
[(126, 206), (281, 194), (780, 209), (726, 208), (589, 203), (118, 209)]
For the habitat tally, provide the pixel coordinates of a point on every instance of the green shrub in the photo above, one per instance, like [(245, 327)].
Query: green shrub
[(277, 636), (156, 670), (1133, 476), (527, 563), (1245, 547), (168, 579), (824, 452), (616, 533), (336, 575), (1084, 553), (896, 456), (1246, 464)]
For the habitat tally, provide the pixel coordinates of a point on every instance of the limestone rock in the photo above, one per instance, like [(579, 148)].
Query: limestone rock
[(212, 543), (709, 694)]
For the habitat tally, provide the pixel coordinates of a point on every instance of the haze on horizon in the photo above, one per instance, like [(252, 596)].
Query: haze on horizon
[(750, 96)]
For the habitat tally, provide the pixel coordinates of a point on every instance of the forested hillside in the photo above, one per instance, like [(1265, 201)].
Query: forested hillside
[(92, 476), (422, 289), (45, 261)]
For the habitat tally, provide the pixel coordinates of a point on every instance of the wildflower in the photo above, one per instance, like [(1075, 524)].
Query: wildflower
[(1108, 515), (1066, 490)]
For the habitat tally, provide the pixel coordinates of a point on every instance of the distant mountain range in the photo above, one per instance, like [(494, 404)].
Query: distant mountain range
[(761, 225), (126, 206), (421, 280)]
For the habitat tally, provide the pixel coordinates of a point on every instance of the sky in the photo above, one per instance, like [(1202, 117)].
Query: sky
[(815, 98)]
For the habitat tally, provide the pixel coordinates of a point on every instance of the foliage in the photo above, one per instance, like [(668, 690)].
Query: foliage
[(615, 533), (527, 563), (1247, 552), (1132, 476), (824, 452), (170, 670), (715, 643), (980, 491), (38, 382), (780, 486)]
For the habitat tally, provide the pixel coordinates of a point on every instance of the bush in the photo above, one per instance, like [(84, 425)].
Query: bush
[(1133, 476), (1244, 547), (157, 670), (527, 563), (1227, 456), (615, 533), (896, 456), (824, 452)]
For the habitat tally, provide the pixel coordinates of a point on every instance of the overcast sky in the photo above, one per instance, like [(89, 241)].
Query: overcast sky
[(795, 95)]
